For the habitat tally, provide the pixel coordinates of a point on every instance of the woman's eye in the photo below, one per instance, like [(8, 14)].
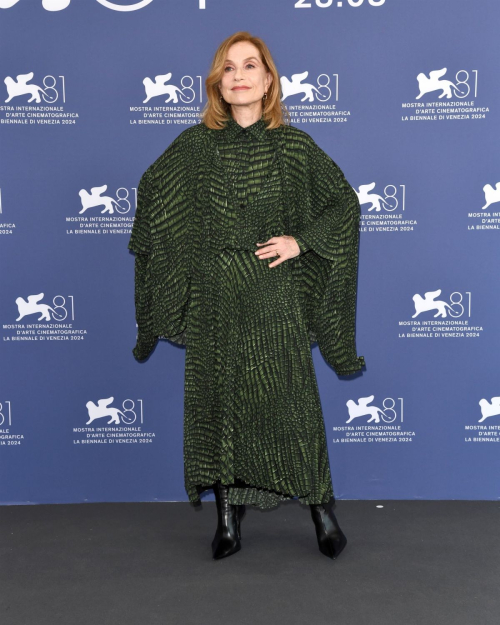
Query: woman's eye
[(247, 65)]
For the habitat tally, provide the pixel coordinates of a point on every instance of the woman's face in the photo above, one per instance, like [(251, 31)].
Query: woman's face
[(244, 79)]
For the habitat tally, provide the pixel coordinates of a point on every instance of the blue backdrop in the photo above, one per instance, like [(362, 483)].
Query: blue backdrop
[(403, 95)]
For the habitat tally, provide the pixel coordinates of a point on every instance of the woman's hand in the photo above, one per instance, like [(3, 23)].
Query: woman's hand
[(286, 246)]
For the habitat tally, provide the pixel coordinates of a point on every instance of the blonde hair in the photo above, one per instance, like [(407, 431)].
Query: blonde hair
[(215, 111)]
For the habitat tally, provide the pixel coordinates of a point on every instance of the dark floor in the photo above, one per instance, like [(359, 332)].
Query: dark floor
[(407, 562)]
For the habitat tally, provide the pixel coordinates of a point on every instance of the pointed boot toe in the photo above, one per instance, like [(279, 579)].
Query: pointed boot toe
[(224, 547)]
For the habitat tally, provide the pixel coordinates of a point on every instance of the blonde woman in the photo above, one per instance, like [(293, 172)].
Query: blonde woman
[(246, 240)]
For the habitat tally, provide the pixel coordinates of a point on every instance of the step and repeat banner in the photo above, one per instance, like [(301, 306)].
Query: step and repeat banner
[(403, 95)]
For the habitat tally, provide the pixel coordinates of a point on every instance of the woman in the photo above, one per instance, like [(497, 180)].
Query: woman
[(246, 239)]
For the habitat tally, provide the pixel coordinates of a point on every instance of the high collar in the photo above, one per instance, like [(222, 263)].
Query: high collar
[(233, 130)]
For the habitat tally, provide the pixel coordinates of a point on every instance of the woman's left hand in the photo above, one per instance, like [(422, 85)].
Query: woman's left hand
[(286, 246)]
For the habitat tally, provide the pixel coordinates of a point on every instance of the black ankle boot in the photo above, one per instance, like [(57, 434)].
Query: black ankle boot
[(227, 536), (331, 539)]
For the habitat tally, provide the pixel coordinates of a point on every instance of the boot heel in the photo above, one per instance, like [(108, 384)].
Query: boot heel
[(226, 540), (331, 539), (241, 512)]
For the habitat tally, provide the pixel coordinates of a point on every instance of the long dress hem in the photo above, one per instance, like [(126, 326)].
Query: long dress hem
[(260, 496)]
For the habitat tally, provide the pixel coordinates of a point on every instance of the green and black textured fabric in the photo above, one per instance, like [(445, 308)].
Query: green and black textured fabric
[(252, 411)]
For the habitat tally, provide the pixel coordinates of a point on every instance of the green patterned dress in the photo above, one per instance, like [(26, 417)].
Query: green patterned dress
[(252, 411)]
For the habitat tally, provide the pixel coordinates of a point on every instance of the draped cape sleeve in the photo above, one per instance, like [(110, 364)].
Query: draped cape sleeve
[(160, 238), (328, 239)]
